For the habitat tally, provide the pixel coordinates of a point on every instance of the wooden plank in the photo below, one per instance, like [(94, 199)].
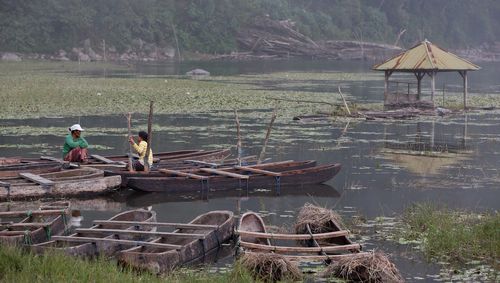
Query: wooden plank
[(159, 224), (26, 225), (198, 162), (285, 249), (258, 171), (33, 212), (52, 159), (183, 174), (37, 179), (135, 232), (293, 236), (225, 173), (317, 257), (117, 241), (103, 159)]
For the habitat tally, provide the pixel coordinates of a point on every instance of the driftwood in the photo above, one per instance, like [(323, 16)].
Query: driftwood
[(271, 38)]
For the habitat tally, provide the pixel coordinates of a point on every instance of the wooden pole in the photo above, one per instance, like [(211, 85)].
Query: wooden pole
[(130, 165), (179, 58), (465, 90), (150, 125), (386, 86), (238, 133), (268, 134), (345, 103), (444, 86), (433, 86)]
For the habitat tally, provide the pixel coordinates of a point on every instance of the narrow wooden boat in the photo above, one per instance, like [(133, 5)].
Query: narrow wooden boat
[(13, 167), (164, 157), (79, 243), (178, 165), (31, 227), (255, 239), (258, 176), (185, 245), (77, 182)]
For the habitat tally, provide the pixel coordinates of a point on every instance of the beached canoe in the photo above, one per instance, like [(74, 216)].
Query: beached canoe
[(254, 238), (11, 167), (90, 243), (268, 175), (77, 182), (34, 226), (185, 245)]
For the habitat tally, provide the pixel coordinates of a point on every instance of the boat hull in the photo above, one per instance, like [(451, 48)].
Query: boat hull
[(313, 175)]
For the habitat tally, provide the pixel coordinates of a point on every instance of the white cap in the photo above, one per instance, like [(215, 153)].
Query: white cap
[(76, 127)]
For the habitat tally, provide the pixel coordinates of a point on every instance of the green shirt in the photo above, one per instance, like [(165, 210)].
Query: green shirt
[(70, 143)]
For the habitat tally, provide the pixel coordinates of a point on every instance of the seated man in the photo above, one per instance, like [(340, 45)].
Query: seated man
[(75, 146), (141, 149)]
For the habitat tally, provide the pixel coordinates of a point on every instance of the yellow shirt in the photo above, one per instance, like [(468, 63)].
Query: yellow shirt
[(141, 150)]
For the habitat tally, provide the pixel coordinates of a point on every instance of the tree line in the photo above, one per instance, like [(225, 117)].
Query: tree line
[(212, 26)]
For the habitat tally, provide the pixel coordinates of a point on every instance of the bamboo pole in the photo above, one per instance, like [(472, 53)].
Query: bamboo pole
[(268, 134), (150, 125), (130, 165), (238, 133), (345, 103)]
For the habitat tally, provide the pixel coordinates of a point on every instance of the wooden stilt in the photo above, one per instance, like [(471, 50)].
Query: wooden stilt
[(150, 138), (268, 134), (129, 124), (238, 133)]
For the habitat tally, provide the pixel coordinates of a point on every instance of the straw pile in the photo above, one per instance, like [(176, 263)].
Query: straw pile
[(269, 267), (320, 220), (374, 268)]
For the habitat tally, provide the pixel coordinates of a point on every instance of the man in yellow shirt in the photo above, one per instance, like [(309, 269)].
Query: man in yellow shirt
[(141, 149)]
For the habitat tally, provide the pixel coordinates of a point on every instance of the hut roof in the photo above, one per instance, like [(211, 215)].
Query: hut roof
[(426, 56)]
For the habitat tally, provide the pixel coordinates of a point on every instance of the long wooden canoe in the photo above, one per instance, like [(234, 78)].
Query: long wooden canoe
[(164, 157), (31, 227), (190, 242), (77, 182), (260, 176), (88, 248), (255, 239)]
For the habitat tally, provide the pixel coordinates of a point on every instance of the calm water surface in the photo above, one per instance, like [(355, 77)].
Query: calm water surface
[(378, 176)]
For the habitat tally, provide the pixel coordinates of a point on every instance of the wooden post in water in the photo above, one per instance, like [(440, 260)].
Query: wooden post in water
[(238, 143), (345, 103), (268, 134), (150, 123), (130, 165)]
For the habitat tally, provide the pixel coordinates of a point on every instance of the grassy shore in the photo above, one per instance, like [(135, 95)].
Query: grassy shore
[(19, 266), (453, 236)]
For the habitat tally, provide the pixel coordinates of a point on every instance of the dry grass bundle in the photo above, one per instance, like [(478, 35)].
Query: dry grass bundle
[(374, 267), (269, 267), (319, 219)]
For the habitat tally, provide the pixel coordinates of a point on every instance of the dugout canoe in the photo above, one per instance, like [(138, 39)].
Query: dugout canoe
[(67, 183), (185, 245), (28, 227), (11, 167), (255, 239), (81, 244), (269, 177)]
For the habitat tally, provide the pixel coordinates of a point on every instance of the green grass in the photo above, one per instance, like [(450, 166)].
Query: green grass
[(19, 266), (454, 236)]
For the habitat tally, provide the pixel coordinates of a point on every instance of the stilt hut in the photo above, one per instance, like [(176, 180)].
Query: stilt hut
[(424, 59)]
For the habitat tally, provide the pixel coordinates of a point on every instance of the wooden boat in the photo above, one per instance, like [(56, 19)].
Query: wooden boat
[(178, 165), (270, 175), (164, 157), (255, 239), (77, 182), (11, 167), (188, 243), (31, 227), (93, 242)]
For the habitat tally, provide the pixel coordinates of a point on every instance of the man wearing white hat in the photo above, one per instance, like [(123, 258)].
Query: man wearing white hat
[(75, 146)]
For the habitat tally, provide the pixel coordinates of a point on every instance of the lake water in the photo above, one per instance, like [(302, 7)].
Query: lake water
[(378, 177)]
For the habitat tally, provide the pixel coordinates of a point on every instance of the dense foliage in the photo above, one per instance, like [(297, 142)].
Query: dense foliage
[(212, 25)]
